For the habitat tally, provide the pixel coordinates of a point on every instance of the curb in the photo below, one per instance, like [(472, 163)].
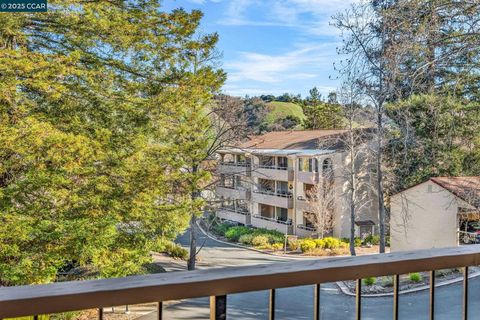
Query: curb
[(344, 289), (245, 247)]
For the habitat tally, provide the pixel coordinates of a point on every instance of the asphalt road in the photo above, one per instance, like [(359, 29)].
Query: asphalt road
[(297, 302)]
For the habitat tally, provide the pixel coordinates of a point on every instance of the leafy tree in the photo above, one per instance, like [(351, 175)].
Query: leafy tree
[(100, 102), (437, 136), (320, 114)]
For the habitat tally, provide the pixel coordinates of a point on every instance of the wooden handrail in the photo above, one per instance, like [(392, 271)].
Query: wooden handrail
[(78, 295)]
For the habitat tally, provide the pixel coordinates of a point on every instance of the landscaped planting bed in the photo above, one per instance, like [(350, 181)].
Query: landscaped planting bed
[(379, 285), (274, 241)]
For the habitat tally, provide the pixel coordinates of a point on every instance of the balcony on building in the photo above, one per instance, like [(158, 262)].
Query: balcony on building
[(232, 164), (274, 193), (232, 187), (273, 167), (234, 210), (308, 170), (272, 218)]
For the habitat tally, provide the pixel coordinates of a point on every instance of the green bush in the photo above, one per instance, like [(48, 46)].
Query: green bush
[(415, 277), (357, 241), (320, 243), (260, 241), (331, 243), (246, 238), (307, 245), (175, 251), (375, 240), (234, 233), (272, 235), (220, 228), (368, 281)]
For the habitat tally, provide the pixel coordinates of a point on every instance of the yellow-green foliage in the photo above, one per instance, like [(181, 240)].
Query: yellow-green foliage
[(307, 245), (277, 246), (260, 241), (320, 243), (331, 243), (100, 115), (293, 244)]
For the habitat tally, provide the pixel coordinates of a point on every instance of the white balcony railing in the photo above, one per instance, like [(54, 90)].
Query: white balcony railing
[(273, 199)]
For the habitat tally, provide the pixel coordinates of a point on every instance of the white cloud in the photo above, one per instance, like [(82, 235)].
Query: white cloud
[(309, 16), (301, 63)]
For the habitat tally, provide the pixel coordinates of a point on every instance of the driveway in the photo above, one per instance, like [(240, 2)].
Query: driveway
[(297, 302)]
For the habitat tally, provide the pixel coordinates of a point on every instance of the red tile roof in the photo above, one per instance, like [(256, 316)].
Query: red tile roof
[(299, 139), (466, 188)]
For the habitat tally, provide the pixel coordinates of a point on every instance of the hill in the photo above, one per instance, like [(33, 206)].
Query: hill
[(280, 110)]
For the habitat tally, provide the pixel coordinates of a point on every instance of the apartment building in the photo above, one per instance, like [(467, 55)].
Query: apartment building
[(268, 182)]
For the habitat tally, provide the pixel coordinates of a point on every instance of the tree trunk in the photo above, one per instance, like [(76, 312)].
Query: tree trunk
[(352, 228), (381, 205), (193, 230), (193, 243)]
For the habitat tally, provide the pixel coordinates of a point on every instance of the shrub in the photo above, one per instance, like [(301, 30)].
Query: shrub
[(387, 281), (277, 246), (272, 235), (368, 281), (175, 251), (307, 245), (260, 241), (220, 228), (319, 243), (234, 233), (372, 240), (246, 238), (415, 277), (293, 244), (331, 243), (357, 241)]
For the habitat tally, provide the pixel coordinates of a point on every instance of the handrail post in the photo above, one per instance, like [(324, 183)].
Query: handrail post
[(218, 307), (358, 299), (432, 295), (396, 291), (100, 313), (159, 310), (465, 293), (316, 302), (271, 305)]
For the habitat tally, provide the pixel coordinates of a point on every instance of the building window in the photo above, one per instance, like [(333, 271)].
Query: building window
[(312, 165), (266, 211), (282, 187), (281, 214), (266, 161), (282, 162)]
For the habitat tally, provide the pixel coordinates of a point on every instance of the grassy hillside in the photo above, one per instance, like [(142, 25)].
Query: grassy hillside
[(279, 110)]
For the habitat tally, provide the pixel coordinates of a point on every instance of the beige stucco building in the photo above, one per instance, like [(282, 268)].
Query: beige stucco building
[(430, 214), (268, 181)]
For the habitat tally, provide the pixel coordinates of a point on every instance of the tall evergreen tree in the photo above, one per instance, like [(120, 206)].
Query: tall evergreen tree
[(99, 103)]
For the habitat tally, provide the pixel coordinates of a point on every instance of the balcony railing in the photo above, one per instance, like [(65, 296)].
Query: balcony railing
[(236, 164), (288, 222), (304, 227), (238, 210), (265, 166), (273, 193), (219, 282)]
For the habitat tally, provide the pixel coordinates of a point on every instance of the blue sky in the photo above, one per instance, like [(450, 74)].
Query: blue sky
[(273, 46)]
